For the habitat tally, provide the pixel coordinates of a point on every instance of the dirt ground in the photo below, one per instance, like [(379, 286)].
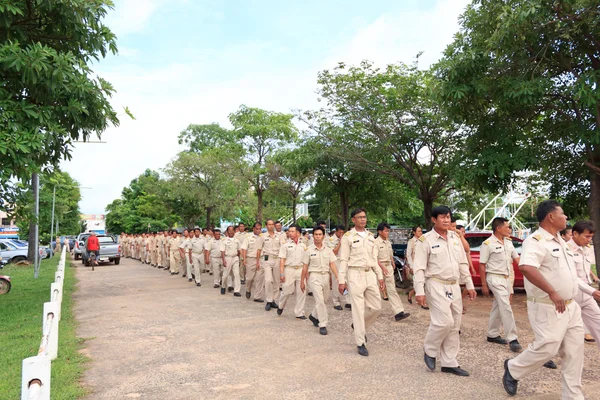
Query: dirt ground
[(151, 335)]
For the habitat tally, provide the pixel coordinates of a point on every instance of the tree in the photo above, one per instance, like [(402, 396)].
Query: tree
[(260, 133), (49, 95), (388, 122), (523, 76)]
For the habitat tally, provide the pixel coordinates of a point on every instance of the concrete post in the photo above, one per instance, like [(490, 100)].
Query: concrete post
[(36, 378)]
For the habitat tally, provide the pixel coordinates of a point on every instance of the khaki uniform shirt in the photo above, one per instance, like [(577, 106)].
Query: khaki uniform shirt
[(445, 259), (272, 244), (252, 245), (584, 258), (241, 237), (214, 247), (383, 251), (230, 246), (318, 259), (292, 253), (553, 258), (198, 245), (174, 244), (357, 251), (497, 255), (410, 251)]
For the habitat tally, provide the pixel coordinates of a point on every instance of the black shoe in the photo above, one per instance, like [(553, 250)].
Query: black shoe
[(429, 361), (197, 284), (237, 294), (497, 339), (189, 280), (425, 308), (274, 305), (313, 320), (510, 383), (210, 273), (515, 347), (172, 273), (348, 306), (362, 350), (409, 300), (279, 311), (230, 289), (183, 276), (301, 317), (323, 331), (268, 306), (386, 299), (550, 364), (339, 308), (310, 293), (243, 282), (248, 294), (258, 301), (216, 286), (401, 315), (222, 290), (455, 370), (176, 273)]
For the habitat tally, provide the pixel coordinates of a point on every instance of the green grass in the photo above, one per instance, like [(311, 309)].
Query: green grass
[(21, 331)]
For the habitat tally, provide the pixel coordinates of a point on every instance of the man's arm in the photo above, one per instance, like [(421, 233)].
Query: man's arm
[(304, 277), (484, 256)]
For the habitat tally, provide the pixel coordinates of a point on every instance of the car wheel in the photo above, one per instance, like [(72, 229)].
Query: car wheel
[(117, 261), (18, 259), (76, 256)]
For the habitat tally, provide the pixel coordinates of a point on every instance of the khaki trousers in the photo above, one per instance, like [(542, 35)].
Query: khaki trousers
[(291, 286), (338, 298), (159, 258), (232, 265), (272, 281), (255, 280), (175, 261), (217, 269), (392, 292), (442, 340), (166, 258), (196, 267), (318, 284), (554, 333), (501, 314), (153, 256), (365, 298), (590, 313)]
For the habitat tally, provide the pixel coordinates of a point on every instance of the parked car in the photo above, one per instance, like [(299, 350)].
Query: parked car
[(475, 240), (14, 250), (78, 250), (110, 250)]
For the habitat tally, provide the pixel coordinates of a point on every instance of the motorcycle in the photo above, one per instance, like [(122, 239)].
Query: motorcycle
[(4, 284)]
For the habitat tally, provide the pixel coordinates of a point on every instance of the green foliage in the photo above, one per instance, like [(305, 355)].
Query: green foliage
[(49, 96)]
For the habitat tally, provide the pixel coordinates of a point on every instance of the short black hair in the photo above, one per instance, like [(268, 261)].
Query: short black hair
[(196, 229), (452, 218), (319, 228), (381, 227), (440, 210), (230, 226), (269, 219), (256, 223), (582, 226), (216, 230), (277, 222), (321, 222), (241, 223), (296, 227), (564, 231), (545, 208), (205, 229), (497, 223), (357, 211), (414, 228), (340, 228), (459, 226)]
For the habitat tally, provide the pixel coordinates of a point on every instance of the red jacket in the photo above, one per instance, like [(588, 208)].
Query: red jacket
[(93, 244)]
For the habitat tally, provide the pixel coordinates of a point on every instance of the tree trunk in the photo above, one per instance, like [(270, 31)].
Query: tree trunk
[(427, 210), (259, 211), (594, 207), (344, 205), (208, 213), (294, 202)]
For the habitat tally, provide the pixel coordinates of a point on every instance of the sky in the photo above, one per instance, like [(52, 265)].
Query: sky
[(196, 61)]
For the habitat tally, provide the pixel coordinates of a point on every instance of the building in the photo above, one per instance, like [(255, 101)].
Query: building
[(93, 222), (8, 226)]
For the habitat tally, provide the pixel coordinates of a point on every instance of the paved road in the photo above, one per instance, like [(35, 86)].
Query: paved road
[(156, 336)]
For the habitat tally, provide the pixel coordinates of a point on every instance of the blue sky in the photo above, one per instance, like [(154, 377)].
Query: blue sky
[(192, 61)]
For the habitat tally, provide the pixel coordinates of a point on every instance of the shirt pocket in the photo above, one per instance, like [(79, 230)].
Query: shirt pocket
[(555, 257)]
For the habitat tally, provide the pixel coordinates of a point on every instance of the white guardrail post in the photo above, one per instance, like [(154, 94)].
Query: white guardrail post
[(35, 382)]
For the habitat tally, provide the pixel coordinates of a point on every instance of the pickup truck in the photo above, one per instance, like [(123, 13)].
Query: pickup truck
[(110, 250)]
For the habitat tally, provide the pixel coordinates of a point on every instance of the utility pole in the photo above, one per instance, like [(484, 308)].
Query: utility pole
[(52, 224), (34, 240)]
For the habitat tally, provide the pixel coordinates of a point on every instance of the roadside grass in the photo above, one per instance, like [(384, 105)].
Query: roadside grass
[(21, 331)]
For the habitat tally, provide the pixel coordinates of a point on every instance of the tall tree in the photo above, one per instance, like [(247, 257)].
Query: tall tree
[(387, 121), (524, 77), (49, 95), (261, 133)]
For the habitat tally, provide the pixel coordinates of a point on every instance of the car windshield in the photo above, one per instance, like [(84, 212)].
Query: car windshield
[(105, 239), (7, 246)]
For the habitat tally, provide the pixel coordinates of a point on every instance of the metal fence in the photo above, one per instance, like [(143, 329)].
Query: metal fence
[(35, 383)]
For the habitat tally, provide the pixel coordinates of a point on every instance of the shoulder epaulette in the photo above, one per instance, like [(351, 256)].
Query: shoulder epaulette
[(487, 242), (370, 233), (422, 238), (537, 238), (347, 233)]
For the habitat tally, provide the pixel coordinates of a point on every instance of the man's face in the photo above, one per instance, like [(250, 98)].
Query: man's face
[(197, 233), (293, 233), (568, 235), (452, 226), (257, 228), (505, 230), (360, 220), (318, 236), (442, 222), (418, 232), (583, 239), (385, 233), (217, 235), (557, 219), (242, 228), (339, 233), (278, 227), (270, 226), (186, 233), (230, 231)]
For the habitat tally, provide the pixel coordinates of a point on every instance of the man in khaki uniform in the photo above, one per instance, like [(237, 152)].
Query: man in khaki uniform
[(241, 236), (159, 244), (230, 255), (551, 284), (440, 264), (584, 258), (184, 254), (334, 243), (385, 260), (317, 262), (495, 263), (208, 236), (165, 250), (173, 249), (197, 252), (216, 262), (270, 263), (255, 275), (290, 272), (360, 275)]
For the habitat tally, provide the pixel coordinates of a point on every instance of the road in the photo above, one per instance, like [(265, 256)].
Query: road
[(151, 335)]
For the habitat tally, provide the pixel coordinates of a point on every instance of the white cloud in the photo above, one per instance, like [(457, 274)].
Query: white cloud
[(165, 100), (131, 15)]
